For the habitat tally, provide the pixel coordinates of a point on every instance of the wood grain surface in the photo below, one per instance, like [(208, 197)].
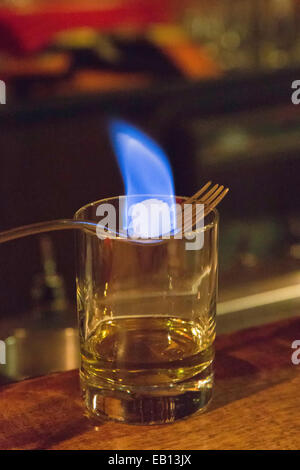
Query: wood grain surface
[(256, 405)]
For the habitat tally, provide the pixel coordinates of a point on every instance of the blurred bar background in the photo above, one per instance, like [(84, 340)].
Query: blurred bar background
[(211, 81)]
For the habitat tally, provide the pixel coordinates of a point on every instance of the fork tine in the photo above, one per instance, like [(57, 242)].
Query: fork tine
[(217, 200), (208, 194), (190, 222), (198, 193), (210, 200), (193, 198), (209, 206), (214, 195)]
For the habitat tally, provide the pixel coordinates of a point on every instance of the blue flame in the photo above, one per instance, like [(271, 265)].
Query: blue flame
[(144, 166)]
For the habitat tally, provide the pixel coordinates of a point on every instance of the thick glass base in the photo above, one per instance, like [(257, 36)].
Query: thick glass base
[(150, 405)]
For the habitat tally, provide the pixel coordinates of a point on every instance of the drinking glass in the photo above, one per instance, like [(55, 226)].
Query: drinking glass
[(146, 316)]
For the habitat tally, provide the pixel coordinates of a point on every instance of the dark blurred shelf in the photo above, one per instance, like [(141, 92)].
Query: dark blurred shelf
[(232, 93)]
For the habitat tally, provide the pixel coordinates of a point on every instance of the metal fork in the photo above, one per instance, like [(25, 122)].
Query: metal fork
[(210, 198)]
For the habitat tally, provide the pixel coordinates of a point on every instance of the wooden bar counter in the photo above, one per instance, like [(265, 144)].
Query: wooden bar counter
[(256, 404)]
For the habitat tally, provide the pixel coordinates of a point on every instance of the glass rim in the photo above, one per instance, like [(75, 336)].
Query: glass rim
[(206, 227)]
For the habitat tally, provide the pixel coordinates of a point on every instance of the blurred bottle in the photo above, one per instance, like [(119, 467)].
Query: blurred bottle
[(225, 28), (278, 33), (247, 34), (50, 305), (45, 341)]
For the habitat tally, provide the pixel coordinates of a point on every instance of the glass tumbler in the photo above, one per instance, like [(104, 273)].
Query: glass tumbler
[(146, 316)]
